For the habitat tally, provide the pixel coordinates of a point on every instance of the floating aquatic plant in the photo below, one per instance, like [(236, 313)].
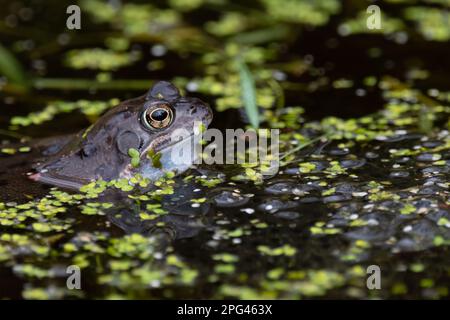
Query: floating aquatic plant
[(100, 59), (92, 109)]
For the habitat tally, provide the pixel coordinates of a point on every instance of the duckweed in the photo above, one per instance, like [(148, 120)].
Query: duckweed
[(100, 59), (351, 191)]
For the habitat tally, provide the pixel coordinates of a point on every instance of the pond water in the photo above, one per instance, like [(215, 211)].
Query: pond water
[(364, 179)]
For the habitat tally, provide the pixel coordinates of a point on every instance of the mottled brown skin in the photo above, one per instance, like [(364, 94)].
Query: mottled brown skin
[(101, 151)]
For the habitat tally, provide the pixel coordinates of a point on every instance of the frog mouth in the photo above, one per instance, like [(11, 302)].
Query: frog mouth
[(58, 180), (166, 142)]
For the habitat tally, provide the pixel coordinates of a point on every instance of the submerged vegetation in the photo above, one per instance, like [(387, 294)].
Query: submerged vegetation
[(365, 161)]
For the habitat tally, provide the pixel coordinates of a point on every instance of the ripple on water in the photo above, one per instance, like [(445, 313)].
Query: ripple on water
[(281, 187), (353, 163), (338, 151), (417, 235), (288, 215), (399, 174), (272, 205), (427, 157), (227, 198)]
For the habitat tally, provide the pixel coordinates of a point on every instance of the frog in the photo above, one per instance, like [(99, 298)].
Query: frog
[(146, 124), (127, 139)]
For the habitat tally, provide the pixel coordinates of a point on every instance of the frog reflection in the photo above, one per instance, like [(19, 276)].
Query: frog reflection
[(180, 218)]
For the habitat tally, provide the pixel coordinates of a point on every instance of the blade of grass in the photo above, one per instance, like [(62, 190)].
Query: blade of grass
[(85, 84), (248, 92), (11, 68), (12, 134), (262, 36)]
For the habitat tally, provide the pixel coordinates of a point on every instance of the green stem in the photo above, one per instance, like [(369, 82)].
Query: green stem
[(300, 147), (13, 134)]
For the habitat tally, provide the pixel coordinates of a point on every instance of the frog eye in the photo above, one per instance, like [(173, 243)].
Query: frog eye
[(157, 117)]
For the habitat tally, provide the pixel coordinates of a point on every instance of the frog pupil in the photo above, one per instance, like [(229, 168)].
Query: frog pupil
[(159, 115)]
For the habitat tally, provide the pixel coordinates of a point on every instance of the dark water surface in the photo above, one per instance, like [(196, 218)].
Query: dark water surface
[(374, 192)]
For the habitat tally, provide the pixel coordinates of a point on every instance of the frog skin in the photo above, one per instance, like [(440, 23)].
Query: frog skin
[(146, 124)]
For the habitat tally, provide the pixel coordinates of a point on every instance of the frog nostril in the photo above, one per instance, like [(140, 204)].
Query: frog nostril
[(88, 150)]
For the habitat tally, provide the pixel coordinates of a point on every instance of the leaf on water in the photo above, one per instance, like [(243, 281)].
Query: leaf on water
[(248, 92), (11, 68)]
